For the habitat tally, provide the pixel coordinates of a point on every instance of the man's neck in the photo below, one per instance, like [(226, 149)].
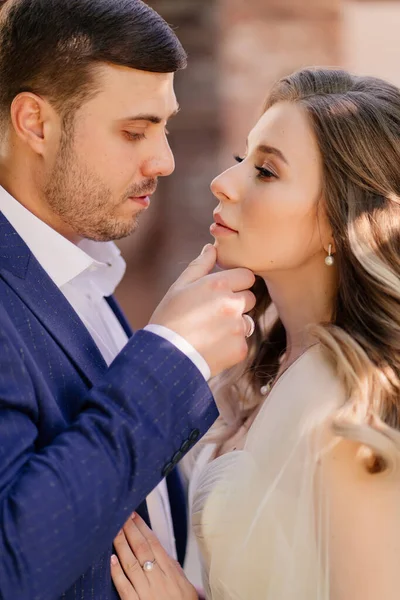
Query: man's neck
[(27, 194)]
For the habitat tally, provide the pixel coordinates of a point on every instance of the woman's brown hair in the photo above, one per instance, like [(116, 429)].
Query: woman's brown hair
[(356, 121)]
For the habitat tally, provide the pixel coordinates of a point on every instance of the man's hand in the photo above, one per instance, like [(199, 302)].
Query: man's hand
[(207, 310)]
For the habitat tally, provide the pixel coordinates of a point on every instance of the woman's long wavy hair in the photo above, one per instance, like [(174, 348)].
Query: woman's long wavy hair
[(356, 121)]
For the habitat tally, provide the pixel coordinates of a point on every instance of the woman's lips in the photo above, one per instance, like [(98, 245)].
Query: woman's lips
[(219, 227)]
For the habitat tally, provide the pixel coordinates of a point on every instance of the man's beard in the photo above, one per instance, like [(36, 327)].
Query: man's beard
[(84, 202)]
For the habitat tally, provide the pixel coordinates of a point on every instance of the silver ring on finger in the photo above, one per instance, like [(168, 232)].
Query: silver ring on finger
[(250, 325), (149, 565)]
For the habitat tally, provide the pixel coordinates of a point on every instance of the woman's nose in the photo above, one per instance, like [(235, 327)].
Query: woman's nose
[(223, 187)]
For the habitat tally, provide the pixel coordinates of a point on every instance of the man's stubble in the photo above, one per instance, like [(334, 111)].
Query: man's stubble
[(83, 201)]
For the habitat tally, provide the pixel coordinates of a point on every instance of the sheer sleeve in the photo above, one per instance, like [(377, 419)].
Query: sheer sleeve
[(363, 527), (297, 516), (265, 520)]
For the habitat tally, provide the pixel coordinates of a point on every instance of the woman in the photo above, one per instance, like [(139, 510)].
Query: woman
[(297, 493)]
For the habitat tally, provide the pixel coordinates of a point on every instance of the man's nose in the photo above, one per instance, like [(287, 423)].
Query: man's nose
[(161, 164)]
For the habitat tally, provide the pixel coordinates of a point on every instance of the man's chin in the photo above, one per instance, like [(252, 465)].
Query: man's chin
[(111, 232), (125, 232)]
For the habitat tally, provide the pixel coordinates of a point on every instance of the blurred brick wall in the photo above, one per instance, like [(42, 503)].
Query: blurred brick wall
[(237, 49), (261, 41)]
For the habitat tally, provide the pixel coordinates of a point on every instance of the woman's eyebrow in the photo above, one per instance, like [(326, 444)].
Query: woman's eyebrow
[(265, 149)]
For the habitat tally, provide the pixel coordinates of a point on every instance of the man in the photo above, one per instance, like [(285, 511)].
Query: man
[(90, 422)]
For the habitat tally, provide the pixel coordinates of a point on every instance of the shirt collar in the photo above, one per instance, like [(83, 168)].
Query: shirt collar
[(62, 260)]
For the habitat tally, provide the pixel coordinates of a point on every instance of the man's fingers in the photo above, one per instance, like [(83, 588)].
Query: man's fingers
[(238, 304), (200, 266), (236, 280), (248, 300), (121, 582)]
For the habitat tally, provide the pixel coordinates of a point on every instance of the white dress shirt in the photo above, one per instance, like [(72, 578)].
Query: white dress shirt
[(87, 273)]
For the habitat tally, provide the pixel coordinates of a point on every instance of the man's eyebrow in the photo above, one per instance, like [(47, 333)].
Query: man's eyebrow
[(151, 118), (265, 149)]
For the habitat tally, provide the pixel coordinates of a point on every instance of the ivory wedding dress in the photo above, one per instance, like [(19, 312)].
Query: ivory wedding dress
[(294, 516)]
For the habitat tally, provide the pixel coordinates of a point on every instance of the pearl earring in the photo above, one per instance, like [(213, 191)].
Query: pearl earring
[(330, 260)]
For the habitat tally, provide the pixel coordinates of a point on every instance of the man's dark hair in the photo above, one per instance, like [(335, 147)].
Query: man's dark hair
[(49, 47)]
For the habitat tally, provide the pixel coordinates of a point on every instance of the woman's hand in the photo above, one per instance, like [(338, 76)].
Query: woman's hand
[(138, 547)]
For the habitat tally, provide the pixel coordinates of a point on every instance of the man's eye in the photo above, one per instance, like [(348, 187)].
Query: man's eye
[(135, 137)]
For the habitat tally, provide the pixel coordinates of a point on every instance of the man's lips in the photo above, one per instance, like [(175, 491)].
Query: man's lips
[(142, 200)]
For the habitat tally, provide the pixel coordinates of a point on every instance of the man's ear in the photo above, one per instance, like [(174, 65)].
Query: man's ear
[(32, 118)]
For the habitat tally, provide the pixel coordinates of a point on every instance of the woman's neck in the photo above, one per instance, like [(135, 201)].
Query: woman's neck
[(302, 297)]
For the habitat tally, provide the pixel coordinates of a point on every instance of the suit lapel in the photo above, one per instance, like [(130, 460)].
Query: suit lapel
[(142, 508), (22, 272), (115, 307)]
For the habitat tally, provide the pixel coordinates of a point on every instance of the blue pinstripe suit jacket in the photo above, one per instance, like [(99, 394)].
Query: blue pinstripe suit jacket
[(81, 445)]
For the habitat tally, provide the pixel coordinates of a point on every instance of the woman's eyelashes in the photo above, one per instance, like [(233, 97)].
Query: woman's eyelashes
[(263, 172)]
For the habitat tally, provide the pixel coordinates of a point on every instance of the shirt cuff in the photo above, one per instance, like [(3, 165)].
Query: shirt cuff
[(179, 342)]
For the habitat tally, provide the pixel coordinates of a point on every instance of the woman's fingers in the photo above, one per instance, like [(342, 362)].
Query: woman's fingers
[(122, 584), (131, 565), (170, 567), (139, 543), (139, 533)]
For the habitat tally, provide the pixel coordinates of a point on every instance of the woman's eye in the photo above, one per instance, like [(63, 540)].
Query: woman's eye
[(264, 173), (135, 137)]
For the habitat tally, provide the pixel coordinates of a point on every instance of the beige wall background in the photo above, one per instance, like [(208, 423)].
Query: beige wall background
[(237, 49), (371, 40)]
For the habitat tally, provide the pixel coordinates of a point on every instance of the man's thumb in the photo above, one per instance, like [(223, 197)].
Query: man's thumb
[(200, 266)]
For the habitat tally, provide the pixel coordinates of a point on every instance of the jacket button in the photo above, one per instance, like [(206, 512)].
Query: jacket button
[(194, 436), (167, 469), (177, 457), (187, 444)]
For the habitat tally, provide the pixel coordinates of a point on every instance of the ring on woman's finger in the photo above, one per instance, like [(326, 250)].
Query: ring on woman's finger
[(149, 565), (250, 325)]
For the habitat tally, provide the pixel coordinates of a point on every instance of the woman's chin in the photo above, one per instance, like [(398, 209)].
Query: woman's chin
[(224, 261)]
